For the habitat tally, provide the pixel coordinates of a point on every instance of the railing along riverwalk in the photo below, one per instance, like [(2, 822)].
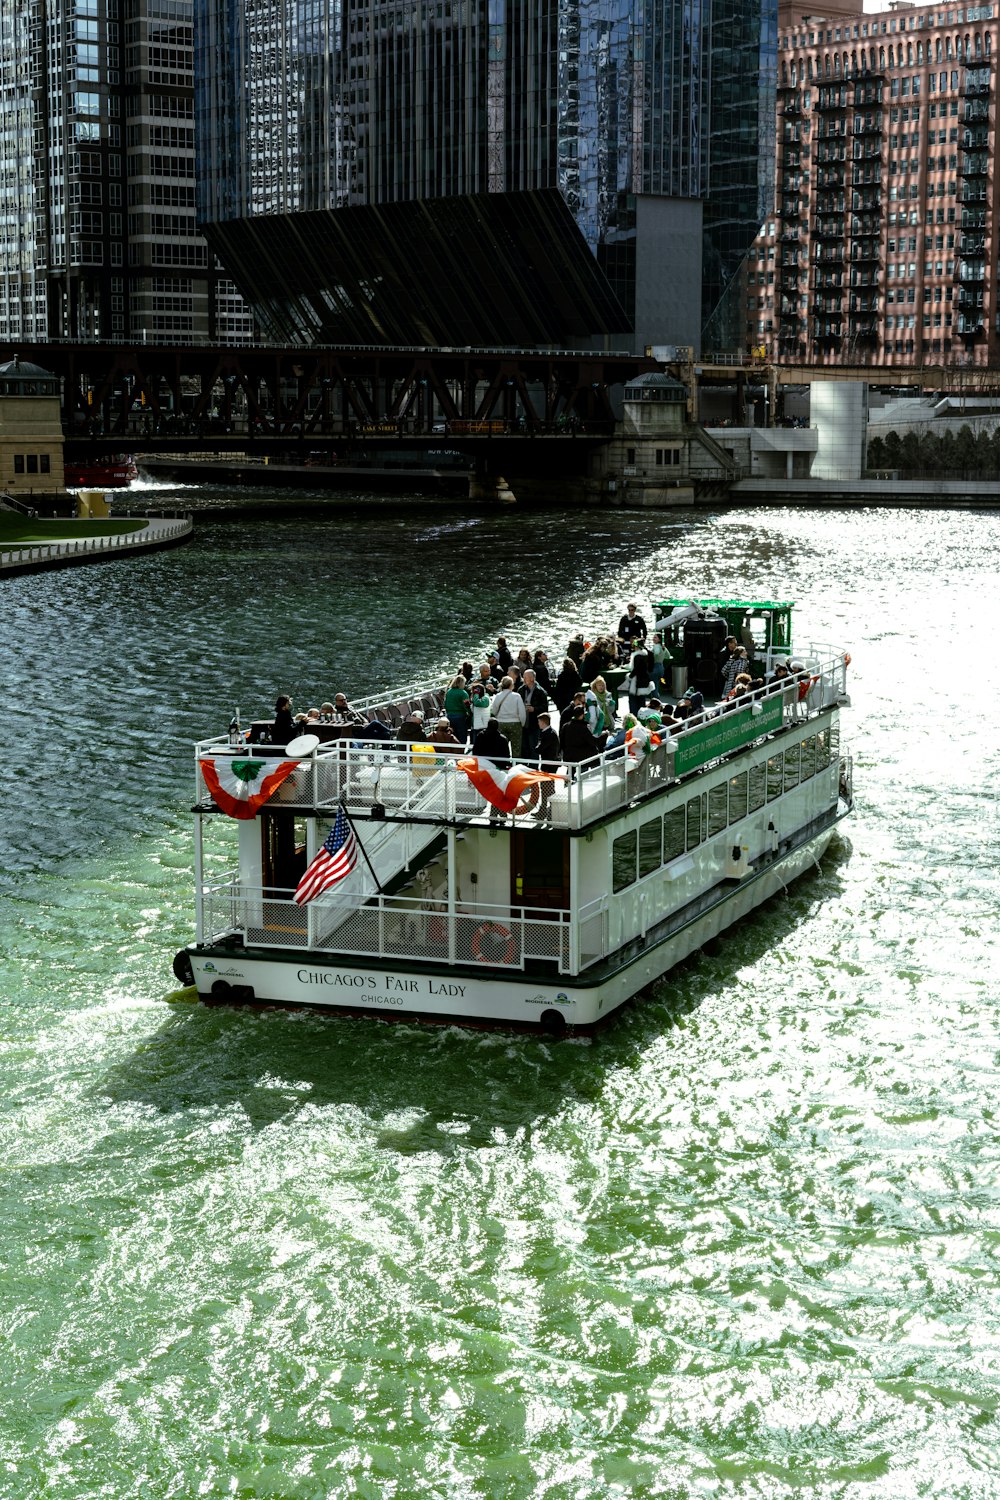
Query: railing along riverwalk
[(409, 782), (154, 534)]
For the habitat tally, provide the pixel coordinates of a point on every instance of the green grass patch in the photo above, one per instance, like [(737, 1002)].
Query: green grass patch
[(28, 531)]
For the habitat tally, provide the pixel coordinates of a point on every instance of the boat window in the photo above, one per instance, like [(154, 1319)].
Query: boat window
[(774, 769), (694, 822), (718, 806), (738, 797), (623, 854), (792, 766), (834, 738), (650, 853), (822, 750), (758, 786), (808, 758), (673, 831)]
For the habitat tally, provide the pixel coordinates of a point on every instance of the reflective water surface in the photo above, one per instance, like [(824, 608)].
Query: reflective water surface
[(743, 1243)]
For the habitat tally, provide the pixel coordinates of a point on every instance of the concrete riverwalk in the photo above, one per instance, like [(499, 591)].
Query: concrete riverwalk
[(154, 534)]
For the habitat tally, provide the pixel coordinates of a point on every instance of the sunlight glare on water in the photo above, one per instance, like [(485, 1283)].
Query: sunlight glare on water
[(742, 1243)]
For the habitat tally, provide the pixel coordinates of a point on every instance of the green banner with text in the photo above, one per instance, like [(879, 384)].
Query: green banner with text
[(726, 733)]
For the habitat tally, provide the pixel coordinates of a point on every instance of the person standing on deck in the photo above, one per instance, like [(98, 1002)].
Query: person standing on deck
[(284, 728), (457, 706), (536, 701), (480, 711), (575, 740), (566, 684), (541, 668), (549, 759), (631, 631), (510, 714)]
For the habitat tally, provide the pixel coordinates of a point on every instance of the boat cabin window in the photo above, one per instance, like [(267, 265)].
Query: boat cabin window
[(738, 797), (822, 749), (758, 786), (754, 635), (718, 809), (673, 832), (774, 770), (792, 766), (623, 860), (695, 821), (833, 735), (808, 757), (650, 851)]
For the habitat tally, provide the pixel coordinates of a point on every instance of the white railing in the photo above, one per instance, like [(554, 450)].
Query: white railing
[(119, 541), (425, 783), (403, 927)]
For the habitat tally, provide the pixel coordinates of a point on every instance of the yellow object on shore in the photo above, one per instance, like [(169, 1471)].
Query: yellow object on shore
[(92, 505)]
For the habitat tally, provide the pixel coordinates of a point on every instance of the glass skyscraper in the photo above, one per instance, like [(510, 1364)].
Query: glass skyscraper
[(456, 171), (740, 189), (97, 220)]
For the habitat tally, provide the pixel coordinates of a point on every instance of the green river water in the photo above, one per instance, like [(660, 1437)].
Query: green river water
[(743, 1243)]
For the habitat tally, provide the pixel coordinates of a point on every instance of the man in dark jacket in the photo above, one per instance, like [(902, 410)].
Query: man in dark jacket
[(536, 701), (631, 630), (575, 740), (549, 759)]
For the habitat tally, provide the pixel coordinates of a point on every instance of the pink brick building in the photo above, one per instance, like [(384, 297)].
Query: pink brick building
[(883, 245)]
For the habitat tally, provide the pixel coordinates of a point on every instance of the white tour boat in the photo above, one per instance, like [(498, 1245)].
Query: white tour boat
[(451, 910)]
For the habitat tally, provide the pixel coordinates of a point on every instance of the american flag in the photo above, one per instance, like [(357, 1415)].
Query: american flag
[(336, 859)]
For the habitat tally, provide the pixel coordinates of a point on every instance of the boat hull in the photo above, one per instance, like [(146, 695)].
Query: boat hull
[(485, 995)]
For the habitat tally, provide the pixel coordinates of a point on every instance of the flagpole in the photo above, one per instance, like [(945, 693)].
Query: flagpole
[(357, 840)]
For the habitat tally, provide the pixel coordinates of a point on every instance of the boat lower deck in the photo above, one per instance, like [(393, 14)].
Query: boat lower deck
[(486, 991)]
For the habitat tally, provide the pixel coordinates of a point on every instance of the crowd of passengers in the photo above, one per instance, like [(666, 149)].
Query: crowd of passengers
[(501, 709)]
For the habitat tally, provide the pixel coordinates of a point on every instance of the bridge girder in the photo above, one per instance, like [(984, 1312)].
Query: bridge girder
[(289, 390)]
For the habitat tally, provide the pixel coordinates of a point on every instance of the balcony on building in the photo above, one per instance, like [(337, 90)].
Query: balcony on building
[(976, 83), (974, 192), (830, 254), (972, 244), (976, 140), (976, 110), (870, 125), (832, 100), (971, 272)]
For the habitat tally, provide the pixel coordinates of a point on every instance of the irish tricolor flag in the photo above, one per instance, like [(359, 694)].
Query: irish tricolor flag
[(505, 789), (240, 786)]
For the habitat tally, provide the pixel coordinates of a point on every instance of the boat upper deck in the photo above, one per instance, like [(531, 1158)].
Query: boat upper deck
[(403, 781)]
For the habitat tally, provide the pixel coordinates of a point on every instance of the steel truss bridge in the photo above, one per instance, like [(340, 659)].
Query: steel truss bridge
[(218, 397)]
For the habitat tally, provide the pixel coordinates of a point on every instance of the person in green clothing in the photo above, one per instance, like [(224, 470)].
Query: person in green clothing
[(458, 707)]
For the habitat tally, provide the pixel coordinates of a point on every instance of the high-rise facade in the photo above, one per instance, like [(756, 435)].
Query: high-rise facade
[(739, 191), (97, 218), (883, 245), (469, 171)]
